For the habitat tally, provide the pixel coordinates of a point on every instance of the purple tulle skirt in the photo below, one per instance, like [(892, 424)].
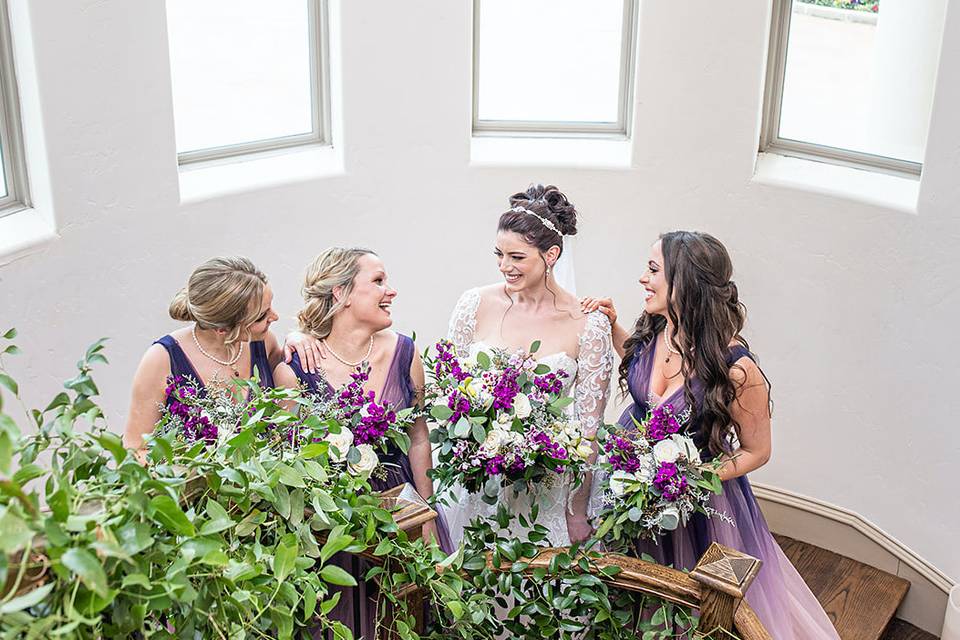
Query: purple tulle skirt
[(779, 596)]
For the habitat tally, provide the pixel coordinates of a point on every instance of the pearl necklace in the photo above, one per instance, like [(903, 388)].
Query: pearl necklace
[(349, 364), (670, 350), (228, 363)]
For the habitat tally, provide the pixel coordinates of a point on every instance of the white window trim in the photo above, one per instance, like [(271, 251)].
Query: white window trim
[(770, 140), (319, 103), (11, 134), (550, 129)]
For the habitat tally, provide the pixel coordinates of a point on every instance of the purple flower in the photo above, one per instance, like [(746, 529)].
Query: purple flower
[(662, 423), (447, 363), (506, 389), (495, 465), (669, 482), (622, 454), (551, 382), (374, 423), (459, 404)]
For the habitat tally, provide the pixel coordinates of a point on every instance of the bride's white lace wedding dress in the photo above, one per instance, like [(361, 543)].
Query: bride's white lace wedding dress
[(588, 381)]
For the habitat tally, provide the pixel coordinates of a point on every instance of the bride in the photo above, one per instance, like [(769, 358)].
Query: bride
[(528, 306)]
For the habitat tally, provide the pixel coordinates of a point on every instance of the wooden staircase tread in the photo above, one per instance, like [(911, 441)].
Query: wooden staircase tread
[(859, 599), (900, 630)]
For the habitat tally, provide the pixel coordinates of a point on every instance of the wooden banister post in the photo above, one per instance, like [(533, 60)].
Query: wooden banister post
[(724, 575)]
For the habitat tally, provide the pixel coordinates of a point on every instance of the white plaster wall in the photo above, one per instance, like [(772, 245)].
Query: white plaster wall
[(852, 306)]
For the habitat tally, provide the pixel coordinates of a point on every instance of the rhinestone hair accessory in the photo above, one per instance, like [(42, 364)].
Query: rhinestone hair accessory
[(546, 223)]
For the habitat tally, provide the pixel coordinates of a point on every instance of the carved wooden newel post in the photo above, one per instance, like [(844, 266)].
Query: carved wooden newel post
[(725, 575)]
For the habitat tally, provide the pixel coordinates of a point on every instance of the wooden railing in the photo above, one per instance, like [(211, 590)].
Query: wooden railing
[(715, 587)]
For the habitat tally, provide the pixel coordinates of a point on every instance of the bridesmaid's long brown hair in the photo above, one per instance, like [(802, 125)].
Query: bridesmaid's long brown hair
[(705, 310)]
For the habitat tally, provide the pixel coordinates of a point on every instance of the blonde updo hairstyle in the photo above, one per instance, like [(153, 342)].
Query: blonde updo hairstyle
[(335, 267), (222, 293)]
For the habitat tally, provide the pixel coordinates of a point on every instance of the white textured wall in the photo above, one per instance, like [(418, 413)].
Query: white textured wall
[(852, 306)]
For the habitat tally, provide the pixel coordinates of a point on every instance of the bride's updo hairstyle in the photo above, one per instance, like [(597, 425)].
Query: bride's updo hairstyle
[(705, 310), (549, 203), (222, 293), (335, 267)]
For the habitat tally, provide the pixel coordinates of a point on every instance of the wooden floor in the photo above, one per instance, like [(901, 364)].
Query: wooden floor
[(860, 600), (900, 630)]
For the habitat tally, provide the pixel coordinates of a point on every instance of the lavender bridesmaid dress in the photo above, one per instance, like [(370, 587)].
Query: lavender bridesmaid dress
[(357, 607), (779, 596)]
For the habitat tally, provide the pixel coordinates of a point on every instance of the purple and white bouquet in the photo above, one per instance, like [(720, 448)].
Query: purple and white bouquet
[(500, 421), (348, 425), (354, 425), (653, 479)]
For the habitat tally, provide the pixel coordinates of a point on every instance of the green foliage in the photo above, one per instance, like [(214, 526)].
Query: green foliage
[(238, 542), (567, 599), (856, 5), (201, 542)]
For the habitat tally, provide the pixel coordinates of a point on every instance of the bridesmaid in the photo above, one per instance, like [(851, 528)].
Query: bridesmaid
[(230, 306), (686, 350), (347, 309)]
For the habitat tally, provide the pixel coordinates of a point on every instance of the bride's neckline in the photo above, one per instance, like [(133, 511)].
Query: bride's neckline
[(536, 356)]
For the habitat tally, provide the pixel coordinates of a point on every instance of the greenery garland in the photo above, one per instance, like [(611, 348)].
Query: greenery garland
[(238, 542)]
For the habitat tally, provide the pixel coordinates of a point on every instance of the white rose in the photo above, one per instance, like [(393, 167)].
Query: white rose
[(687, 447), (341, 441), (619, 480), (495, 439), (469, 363), (666, 451), (368, 461), (521, 406)]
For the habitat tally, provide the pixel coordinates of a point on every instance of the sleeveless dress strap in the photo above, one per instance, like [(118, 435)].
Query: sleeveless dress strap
[(736, 352), (260, 362), (180, 365)]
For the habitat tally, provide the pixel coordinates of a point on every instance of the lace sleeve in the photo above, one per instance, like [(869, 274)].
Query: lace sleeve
[(463, 320), (594, 367)]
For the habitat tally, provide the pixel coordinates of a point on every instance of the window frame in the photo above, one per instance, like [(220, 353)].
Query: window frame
[(770, 140), (621, 129), (319, 45), (11, 132)]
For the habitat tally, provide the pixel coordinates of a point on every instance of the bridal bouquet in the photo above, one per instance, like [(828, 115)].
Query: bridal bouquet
[(500, 421), (653, 479)]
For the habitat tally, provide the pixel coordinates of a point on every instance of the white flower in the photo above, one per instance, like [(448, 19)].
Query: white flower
[(666, 451), (669, 519), (646, 473), (469, 363), (619, 480), (495, 439), (687, 447), (368, 461), (504, 418), (341, 441), (521, 406), (584, 450)]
